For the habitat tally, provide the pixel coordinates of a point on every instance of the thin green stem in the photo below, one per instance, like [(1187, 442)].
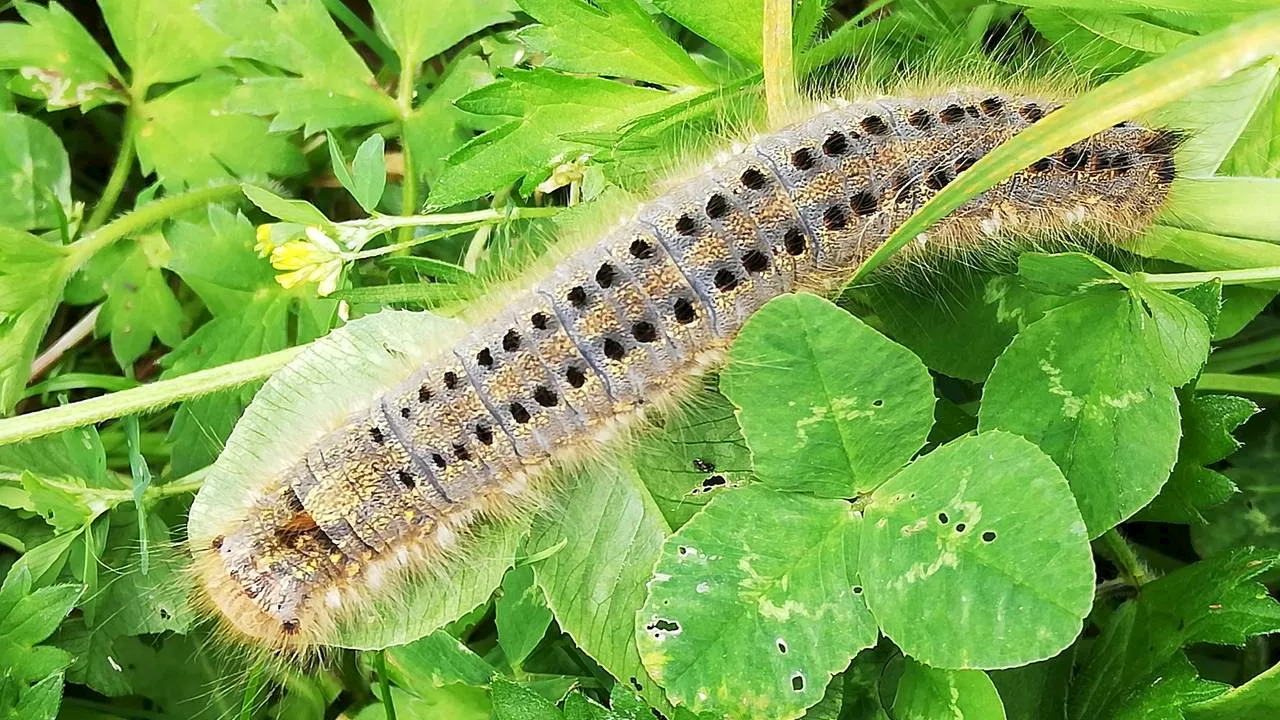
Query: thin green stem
[(384, 682), (1250, 384), (146, 216), (779, 69), (409, 180), (1120, 552), (417, 240), (119, 172), (1243, 357), (144, 398), (1247, 276), (363, 32)]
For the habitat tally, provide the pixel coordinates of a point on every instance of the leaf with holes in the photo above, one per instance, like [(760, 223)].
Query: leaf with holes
[(975, 556), (751, 620), (845, 406), (698, 453)]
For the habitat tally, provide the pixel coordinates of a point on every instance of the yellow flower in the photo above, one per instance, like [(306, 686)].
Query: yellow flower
[(265, 243), (316, 259)]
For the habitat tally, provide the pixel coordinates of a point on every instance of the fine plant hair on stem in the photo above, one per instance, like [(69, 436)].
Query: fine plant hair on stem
[(617, 323)]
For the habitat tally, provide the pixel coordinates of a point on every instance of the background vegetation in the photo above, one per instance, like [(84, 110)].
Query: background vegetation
[(296, 164)]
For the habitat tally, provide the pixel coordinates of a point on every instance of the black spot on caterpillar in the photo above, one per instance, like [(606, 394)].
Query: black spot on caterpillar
[(626, 323)]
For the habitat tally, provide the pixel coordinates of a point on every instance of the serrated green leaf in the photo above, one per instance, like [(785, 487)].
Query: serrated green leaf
[(975, 556), (735, 26), (37, 188), (603, 534), (140, 306), (422, 29), (188, 136), (163, 42), (1101, 409), (608, 37), (38, 702), (327, 83), (846, 407), (579, 707), (27, 617), (1173, 687), (436, 127), (521, 615), (926, 693), (698, 453), (1207, 424), (57, 61), (512, 702), (751, 620), (547, 107), (1214, 601), (1249, 517), (1258, 699)]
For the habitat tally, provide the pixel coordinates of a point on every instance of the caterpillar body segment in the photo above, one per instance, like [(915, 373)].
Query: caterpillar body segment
[(623, 325)]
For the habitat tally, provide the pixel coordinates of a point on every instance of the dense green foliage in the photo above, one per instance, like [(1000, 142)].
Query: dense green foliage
[(1010, 491)]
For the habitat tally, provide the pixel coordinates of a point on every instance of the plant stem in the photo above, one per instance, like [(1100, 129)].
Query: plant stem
[(141, 399), (1226, 382), (380, 664), (1243, 357), (779, 70), (81, 330), (418, 240), (146, 216), (409, 179), (119, 172), (1247, 276), (1119, 551), (363, 32)]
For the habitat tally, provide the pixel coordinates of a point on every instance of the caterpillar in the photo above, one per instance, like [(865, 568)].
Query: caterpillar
[(623, 327)]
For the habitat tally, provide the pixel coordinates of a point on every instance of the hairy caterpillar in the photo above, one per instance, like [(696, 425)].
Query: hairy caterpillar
[(623, 326)]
